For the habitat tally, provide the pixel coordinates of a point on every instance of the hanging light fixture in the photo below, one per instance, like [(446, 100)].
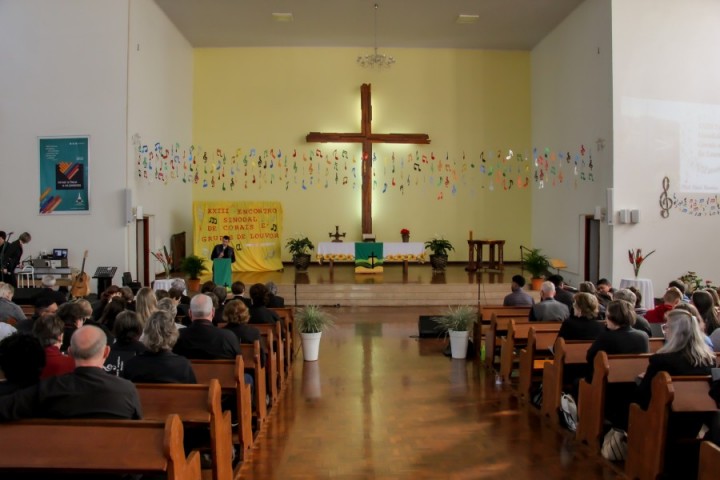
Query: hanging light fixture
[(375, 59)]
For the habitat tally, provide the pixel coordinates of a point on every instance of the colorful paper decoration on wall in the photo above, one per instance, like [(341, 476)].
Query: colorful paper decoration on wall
[(695, 205)]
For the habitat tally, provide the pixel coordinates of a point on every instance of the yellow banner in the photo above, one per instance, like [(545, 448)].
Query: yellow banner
[(254, 229)]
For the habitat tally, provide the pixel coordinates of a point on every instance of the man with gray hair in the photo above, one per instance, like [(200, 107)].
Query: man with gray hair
[(8, 309), (87, 392), (203, 340), (640, 322), (549, 309)]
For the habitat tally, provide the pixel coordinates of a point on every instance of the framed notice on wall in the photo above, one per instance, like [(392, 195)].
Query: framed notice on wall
[(64, 175)]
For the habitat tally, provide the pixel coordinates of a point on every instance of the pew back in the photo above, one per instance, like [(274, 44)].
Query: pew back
[(251, 358), (709, 461), (564, 353)]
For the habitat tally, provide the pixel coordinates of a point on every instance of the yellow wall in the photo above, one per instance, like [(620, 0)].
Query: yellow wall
[(469, 102)]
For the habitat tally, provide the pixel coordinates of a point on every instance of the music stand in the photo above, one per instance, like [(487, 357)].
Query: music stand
[(104, 277)]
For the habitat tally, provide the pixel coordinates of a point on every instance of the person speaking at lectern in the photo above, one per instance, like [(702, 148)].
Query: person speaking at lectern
[(223, 250)]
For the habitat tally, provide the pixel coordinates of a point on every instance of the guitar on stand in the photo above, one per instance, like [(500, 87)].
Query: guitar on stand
[(81, 283)]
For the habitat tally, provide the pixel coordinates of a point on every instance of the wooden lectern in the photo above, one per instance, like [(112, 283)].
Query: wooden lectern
[(222, 272)]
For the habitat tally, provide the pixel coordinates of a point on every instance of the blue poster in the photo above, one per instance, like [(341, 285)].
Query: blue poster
[(64, 175)]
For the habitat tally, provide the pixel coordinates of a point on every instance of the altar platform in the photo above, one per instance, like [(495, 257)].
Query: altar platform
[(343, 287)]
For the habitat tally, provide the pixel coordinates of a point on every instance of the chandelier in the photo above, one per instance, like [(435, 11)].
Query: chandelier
[(375, 59)]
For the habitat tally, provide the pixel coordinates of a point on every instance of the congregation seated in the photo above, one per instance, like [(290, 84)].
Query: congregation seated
[(589, 287), (202, 340), (87, 392), (50, 290), (703, 301), (259, 312), (562, 295), (49, 330), (169, 305), (671, 299), (237, 315), (116, 306), (639, 309), (207, 287), (127, 330), (690, 308), (548, 310), (640, 322), (21, 362), (221, 295), (584, 323), (108, 294), (605, 293), (88, 318), (274, 300), (9, 309), (618, 338), (518, 297), (158, 364), (145, 304), (43, 306), (176, 295), (238, 291), (126, 293), (73, 315), (682, 287)]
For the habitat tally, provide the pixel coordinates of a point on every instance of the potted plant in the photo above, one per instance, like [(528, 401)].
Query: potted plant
[(457, 322), (299, 247), (537, 263), (405, 235), (310, 322), (193, 266), (439, 257)]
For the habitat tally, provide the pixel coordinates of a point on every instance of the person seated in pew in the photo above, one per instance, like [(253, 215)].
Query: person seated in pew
[(202, 340), (108, 294), (639, 309), (43, 306), (671, 299), (22, 360), (49, 289), (589, 287), (562, 295), (87, 392), (161, 293), (690, 308), (73, 314), (49, 331), (169, 305), (9, 309), (127, 344), (116, 306), (518, 297), (682, 287), (259, 313), (145, 304), (548, 310), (584, 323), (128, 296), (221, 295), (703, 301), (158, 364), (88, 319), (605, 292), (640, 322), (238, 291), (176, 295), (685, 353), (274, 300), (207, 287), (237, 315)]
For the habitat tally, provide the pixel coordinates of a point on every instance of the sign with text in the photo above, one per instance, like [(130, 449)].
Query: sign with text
[(254, 229), (64, 175)]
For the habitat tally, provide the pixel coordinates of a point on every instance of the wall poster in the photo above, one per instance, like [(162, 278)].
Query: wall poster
[(64, 175)]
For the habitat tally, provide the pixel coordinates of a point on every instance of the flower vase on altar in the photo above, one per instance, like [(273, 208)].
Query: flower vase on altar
[(405, 238), (405, 235)]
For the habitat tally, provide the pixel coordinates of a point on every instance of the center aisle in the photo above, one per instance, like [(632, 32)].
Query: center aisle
[(383, 404)]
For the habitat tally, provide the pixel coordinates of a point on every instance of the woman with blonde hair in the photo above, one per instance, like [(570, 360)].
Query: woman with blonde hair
[(584, 323), (145, 304)]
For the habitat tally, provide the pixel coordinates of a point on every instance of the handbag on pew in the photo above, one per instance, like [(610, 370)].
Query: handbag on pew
[(568, 412), (614, 446)]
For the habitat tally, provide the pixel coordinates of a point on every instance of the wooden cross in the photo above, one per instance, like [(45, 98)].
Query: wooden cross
[(367, 138), (337, 234), (372, 258)]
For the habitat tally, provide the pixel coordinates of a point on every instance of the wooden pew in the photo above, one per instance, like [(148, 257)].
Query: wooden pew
[(97, 446), (591, 403), (647, 431), (288, 317), (251, 357), (498, 326), (532, 357), (485, 314), (516, 337), (655, 344), (709, 461), (275, 358), (564, 353), (231, 375), (196, 405)]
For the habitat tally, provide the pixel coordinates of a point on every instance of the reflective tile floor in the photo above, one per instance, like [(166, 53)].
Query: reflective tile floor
[(382, 404)]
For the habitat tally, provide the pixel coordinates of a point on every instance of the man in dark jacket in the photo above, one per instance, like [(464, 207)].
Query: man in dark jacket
[(202, 340)]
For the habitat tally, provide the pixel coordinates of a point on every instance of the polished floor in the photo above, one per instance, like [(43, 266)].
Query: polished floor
[(382, 404)]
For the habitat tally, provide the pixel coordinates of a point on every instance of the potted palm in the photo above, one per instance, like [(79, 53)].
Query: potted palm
[(299, 247), (537, 263), (439, 257), (193, 266), (457, 322), (310, 322)]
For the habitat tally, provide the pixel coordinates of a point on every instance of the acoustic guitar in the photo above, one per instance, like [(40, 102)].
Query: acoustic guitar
[(81, 283)]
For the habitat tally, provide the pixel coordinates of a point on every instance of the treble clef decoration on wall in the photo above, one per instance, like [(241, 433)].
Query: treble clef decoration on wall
[(665, 202)]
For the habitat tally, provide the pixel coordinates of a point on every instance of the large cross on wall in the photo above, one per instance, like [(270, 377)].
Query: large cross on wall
[(367, 138)]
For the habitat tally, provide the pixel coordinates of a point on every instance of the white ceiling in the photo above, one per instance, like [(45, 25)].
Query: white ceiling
[(503, 24)]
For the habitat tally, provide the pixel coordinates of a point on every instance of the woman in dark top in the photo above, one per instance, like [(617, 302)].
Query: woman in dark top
[(158, 364), (127, 330), (22, 359), (237, 315), (259, 313), (584, 323), (114, 308), (705, 304)]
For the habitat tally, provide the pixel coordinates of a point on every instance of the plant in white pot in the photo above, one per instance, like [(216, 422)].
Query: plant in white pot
[(311, 321), (457, 322)]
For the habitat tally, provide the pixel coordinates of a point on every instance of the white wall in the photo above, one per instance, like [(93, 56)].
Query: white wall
[(572, 105), (159, 110), (64, 70), (667, 124)]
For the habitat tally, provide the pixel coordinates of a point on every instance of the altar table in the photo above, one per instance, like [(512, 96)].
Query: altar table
[(645, 286), (332, 252)]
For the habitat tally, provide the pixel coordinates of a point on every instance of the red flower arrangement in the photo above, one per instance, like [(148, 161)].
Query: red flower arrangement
[(404, 231), (636, 259), (164, 258)]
